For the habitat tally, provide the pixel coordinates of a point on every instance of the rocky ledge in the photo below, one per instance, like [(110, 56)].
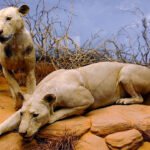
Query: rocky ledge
[(115, 127)]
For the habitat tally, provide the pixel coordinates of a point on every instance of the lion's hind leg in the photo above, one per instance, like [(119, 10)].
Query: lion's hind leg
[(127, 84)]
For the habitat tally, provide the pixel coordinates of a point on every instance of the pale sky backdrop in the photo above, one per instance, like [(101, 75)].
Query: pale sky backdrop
[(92, 16)]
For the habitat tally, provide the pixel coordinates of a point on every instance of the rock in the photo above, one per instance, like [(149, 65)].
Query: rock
[(130, 139), (119, 118), (12, 141), (90, 141), (76, 126), (102, 122), (109, 120), (139, 116), (145, 146)]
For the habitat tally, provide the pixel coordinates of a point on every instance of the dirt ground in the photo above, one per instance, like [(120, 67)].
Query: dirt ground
[(6, 102), (10, 141)]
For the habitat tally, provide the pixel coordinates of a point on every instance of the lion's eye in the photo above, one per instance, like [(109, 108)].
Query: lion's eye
[(35, 115), (8, 18), (21, 113)]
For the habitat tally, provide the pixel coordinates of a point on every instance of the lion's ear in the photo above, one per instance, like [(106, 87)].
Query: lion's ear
[(50, 98), (24, 9)]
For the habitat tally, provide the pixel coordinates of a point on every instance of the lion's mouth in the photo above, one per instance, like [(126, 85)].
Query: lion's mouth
[(4, 39), (28, 139)]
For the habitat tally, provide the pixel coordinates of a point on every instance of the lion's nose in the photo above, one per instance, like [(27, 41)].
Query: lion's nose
[(1, 31), (23, 134)]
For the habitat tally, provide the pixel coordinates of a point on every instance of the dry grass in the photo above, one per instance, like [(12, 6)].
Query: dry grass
[(146, 135), (42, 70), (66, 142), (71, 60)]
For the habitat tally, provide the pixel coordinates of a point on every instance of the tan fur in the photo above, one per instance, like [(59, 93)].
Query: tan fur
[(17, 50), (74, 91)]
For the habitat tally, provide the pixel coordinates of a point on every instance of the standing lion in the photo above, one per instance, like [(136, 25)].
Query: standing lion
[(16, 50)]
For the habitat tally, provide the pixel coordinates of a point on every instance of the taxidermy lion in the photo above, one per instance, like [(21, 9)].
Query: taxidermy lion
[(65, 93), (16, 50)]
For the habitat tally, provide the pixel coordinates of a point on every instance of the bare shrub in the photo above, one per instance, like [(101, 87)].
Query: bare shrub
[(51, 37), (68, 54), (77, 59), (42, 70), (131, 43)]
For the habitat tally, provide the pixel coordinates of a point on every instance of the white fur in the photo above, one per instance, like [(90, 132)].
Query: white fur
[(17, 50)]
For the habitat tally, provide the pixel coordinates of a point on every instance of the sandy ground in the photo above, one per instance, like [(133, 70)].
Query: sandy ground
[(6, 102)]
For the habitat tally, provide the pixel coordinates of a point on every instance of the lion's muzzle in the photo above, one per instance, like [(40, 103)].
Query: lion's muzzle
[(4, 39)]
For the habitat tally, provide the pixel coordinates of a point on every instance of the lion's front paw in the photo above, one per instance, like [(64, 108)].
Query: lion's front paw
[(124, 101), (52, 119), (1, 130)]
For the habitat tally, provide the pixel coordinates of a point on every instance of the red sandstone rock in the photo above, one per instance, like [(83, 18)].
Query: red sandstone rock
[(11, 141), (124, 140), (90, 141), (75, 126), (108, 120), (139, 116)]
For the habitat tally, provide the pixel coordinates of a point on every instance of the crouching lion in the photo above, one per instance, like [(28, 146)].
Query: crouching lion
[(65, 93)]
